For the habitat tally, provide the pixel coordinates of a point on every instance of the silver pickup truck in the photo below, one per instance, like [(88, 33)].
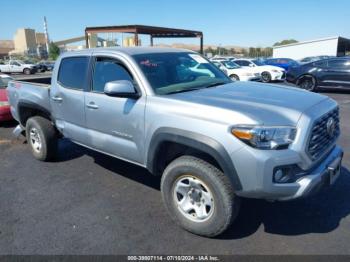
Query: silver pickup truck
[(212, 141)]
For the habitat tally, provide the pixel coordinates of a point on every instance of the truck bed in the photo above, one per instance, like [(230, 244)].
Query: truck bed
[(33, 93)]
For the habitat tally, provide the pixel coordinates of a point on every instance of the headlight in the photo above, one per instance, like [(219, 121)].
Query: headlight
[(265, 137), (276, 71), (4, 103)]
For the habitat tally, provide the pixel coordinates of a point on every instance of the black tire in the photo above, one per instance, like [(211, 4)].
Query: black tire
[(266, 77), (226, 203), (234, 77), (27, 71), (307, 82), (47, 135)]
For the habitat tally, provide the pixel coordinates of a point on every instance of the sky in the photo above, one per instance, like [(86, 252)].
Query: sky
[(223, 22)]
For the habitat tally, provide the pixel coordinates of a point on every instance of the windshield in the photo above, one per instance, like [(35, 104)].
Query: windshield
[(170, 73), (4, 81), (230, 65), (258, 62)]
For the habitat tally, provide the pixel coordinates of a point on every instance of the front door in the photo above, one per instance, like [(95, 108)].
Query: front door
[(115, 124), (338, 73)]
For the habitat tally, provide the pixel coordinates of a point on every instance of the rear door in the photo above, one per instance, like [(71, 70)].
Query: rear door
[(338, 73), (67, 97), (115, 124)]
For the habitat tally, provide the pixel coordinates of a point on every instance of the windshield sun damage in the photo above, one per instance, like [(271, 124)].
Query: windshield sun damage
[(169, 73)]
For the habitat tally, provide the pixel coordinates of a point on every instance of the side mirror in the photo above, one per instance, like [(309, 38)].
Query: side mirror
[(121, 88)]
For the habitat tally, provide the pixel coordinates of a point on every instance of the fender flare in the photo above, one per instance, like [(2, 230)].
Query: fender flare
[(196, 141), (27, 104)]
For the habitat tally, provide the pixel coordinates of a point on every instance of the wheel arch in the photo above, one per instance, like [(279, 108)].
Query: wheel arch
[(304, 75), (27, 109), (196, 144)]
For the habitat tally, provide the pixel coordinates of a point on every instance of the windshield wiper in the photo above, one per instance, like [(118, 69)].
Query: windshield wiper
[(215, 84), (183, 90), (197, 88)]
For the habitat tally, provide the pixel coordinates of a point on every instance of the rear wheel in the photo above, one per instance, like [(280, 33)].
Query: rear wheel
[(198, 196), (234, 77), (266, 77), (27, 71), (42, 138), (308, 83)]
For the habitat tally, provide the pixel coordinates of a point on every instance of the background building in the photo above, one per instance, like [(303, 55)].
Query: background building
[(332, 46), (29, 43), (5, 47)]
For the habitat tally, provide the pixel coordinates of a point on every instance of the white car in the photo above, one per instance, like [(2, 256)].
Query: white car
[(17, 66), (218, 59), (268, 73), (236, 72)]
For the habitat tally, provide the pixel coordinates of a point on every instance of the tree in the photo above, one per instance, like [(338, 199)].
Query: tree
[(54, 51), (286, 42)]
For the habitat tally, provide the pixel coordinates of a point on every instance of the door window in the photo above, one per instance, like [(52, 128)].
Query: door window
[(243, 63), (337, 63), (73, 72), (14, 63), (107, 70)]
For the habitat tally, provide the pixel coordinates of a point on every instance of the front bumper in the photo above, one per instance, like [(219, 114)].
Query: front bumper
[(259, 183), (281, 76)]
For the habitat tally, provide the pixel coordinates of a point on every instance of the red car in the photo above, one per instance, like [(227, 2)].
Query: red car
[(5, 113)]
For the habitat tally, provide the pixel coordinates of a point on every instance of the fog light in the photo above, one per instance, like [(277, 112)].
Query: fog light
[(278, 175), (288, 174), (284, 175)]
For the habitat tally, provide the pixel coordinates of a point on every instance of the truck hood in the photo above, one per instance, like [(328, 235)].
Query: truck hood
[(252, 103)]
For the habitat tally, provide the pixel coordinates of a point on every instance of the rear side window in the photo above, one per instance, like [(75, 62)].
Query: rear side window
[(72, 72)]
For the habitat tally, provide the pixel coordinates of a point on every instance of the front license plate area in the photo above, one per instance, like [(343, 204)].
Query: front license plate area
[(334, 170)]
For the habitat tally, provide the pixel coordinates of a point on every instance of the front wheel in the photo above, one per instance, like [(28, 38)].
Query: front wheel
[(198, 196), (266, 77), (42, 138), (234, 77), (27, 71)]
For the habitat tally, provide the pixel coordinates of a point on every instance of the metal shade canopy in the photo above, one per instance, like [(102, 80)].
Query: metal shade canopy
[(153, 31)]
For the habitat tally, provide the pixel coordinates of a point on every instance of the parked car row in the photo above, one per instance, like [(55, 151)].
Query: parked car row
[(25, 67), (250, 70), (309, 73)]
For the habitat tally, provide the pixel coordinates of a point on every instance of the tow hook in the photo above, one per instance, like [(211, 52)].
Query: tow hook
[(18, 131)]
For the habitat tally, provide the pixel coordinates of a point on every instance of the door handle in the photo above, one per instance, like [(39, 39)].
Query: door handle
[(57, 99), (92, 105)]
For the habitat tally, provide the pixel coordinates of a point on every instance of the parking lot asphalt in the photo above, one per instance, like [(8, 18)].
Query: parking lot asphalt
[(89, 203)]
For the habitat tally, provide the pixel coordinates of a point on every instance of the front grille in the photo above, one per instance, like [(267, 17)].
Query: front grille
[(322, 136), (283, 75)]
